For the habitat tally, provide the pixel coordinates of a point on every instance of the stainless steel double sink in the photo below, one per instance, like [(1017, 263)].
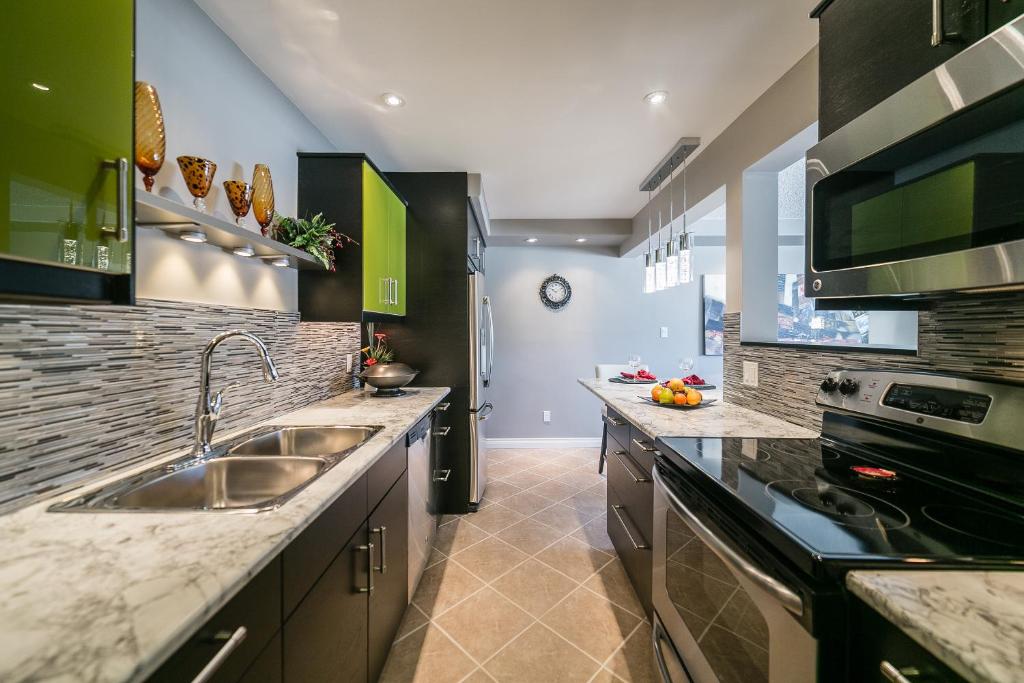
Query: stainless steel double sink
[(258, 471)]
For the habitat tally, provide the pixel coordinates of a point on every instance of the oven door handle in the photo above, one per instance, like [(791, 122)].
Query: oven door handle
[(659, 636), (775, 588)]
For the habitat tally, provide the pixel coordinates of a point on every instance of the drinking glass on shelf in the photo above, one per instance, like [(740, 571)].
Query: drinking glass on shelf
[(686, 365), (198, 174)]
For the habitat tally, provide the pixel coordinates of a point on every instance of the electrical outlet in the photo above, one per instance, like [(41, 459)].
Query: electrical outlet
[(547, 416), (348, 362), (664, 333), (750, 373)]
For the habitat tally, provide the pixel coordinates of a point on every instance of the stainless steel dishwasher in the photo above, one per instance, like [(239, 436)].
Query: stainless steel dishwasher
[(423, 514)]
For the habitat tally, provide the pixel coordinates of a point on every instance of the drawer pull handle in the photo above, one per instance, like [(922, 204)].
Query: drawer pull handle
[(232, 639), (442, 475), (644, 447), (894, 675), (614, 422), (442, 407), (382, 531), (443, 431), (368, 549), (630, 468), (625, 527)]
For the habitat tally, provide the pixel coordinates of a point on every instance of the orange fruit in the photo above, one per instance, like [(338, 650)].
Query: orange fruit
[(656, 392), (680, 398), (693, 397), (676, 384)]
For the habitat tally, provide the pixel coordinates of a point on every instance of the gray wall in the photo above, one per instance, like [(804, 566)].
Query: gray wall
[(540, 353), (218, 105)]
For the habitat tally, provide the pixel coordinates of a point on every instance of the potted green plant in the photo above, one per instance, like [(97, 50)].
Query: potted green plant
[(315, 236)]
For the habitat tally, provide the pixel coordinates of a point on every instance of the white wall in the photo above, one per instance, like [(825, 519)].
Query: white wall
[(218, 105), (540, 353)]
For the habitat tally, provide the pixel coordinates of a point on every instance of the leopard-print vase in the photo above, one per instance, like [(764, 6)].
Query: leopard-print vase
[(198, 174)]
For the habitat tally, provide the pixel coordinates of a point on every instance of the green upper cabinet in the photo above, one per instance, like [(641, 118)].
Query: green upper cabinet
[(66, 134), (396, 253), (371, 275)]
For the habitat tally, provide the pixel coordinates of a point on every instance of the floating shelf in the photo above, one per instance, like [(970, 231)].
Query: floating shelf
[(154, 211)]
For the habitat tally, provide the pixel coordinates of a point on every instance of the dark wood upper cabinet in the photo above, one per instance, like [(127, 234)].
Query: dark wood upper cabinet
[(870, 49)]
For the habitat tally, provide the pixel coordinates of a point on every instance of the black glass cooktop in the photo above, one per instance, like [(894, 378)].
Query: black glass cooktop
[(832, 503)]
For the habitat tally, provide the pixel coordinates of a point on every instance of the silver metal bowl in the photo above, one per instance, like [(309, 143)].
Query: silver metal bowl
[(388, 376)]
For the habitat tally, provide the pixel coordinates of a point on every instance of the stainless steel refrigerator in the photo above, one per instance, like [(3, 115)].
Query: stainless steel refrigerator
[(481, 354)]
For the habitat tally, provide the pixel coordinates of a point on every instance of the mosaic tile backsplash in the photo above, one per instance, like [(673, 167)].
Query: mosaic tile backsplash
[(84, 389), (977, 336)]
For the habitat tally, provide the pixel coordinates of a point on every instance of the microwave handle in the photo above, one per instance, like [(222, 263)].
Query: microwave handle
[(775, 588)]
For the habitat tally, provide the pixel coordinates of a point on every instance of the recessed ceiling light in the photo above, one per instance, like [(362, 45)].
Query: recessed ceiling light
[(329, 14), (246, 251), (530, 240), (392, 100), (40, 86), (656, 97), (193, 236), (581, 239), (280, 262)]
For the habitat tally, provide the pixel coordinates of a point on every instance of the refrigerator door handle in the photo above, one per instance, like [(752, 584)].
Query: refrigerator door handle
[(490, 341)]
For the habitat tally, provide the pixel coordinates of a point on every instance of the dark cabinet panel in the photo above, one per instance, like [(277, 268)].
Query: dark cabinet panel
[(256, 608), (476, 247), (618, 427), (325, 638), (389, 531), (633, 549), (268, 667), (384, 473), (308, 556)]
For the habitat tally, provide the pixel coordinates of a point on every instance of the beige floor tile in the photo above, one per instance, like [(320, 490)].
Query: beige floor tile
[(606, 676), (489, 558), (592, 502), (591, 623), (582, 478), (500, 470), (494, 518), (485, 503), (554, 468), (530, 536), (554, 491), (563, 518), (457, 535), (539, 656), (595, 534), (498, 455), (527, 503), (612, 584), (436, 556), (500, 490), (634, 661), (478, 676), (426, 656), (411, 621), (534, 586), (484, 623), (527, 478), (574, 558), (442, 586)]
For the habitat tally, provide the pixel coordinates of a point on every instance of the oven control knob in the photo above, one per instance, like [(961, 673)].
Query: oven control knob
[(848, 386), (829, 385)]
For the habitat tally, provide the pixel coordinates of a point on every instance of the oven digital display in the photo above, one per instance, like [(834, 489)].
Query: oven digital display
[(946, 403)]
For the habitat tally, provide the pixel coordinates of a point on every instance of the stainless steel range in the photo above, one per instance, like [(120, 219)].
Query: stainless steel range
[(753, 537)]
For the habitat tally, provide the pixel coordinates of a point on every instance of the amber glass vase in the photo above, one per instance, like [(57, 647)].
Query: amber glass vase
[(198, 174), (262, 197), (239, 195), (150, 138)]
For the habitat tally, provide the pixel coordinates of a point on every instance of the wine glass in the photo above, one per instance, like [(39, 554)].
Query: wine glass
[(239, 195), (198, 174), (686, 365)]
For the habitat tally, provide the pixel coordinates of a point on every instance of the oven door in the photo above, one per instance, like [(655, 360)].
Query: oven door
[(729, 619), (922, 193)]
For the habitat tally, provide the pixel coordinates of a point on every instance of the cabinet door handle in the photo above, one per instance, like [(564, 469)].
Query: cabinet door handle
[(232, 639), (614, 422), (382, 531), (368, 549), (442, 475), (121, 166), (442, 407), (939, 35), (395, 295), (627, 465), (894, 675), (626, 527), (443, 431), (644, 447)]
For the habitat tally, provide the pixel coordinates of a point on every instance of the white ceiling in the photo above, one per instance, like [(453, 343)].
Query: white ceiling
[(543, 97)]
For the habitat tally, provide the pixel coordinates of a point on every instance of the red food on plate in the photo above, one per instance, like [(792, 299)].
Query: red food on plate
[(643, 374), (627, 375), (694, 380)]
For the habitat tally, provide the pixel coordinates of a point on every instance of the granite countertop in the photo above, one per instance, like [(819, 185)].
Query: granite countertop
[(716, 419), (973, 621), (107, 596)]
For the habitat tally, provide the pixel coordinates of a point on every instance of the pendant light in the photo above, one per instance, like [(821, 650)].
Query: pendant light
[(659, 261), (671, 249), (685, 242), (648, 281)]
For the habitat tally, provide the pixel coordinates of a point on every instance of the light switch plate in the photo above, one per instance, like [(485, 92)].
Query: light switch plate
[(547, 416), (664, 333), (750, 373), (348, 362)]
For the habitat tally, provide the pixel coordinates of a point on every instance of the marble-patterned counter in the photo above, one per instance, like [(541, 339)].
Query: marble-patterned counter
[(716, 419), (973, 621), (107, 596)]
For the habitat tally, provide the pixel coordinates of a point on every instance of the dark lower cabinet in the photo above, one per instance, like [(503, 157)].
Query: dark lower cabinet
[(325, 638), (268, 666), (631, 506), (389, 531)]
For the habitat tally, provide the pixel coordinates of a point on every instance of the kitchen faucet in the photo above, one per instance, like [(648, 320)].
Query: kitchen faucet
[(208, 408)]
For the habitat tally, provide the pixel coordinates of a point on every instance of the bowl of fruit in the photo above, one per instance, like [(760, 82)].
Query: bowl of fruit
[(677, 394)]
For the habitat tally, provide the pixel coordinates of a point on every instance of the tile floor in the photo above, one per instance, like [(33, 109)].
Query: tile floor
[(528, 589)]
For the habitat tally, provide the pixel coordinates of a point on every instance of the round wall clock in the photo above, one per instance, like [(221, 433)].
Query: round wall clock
[(555, 292)]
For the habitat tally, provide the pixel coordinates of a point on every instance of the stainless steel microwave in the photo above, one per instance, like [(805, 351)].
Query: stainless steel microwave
[(924, 193)]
